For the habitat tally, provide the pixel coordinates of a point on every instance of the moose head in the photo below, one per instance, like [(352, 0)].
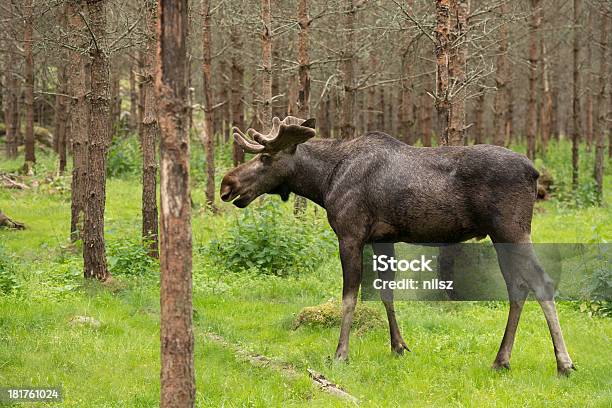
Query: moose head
[(267, 171)]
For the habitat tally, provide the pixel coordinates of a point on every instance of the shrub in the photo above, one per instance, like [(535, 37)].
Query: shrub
[(8, 280), (130, 257), (272, 241), (124, 158)]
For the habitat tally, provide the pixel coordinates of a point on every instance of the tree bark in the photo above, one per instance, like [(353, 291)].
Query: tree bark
[(236, 92), (590, 80), (442, 51), (78, 122), (94, 253), (303, 61), (347, 129), (115, 98), (426, 110), (479, 136), (266, 56), (304, 80), (323, 116), (208, 136), (177, 343), (30, 156), (532, 118), (600, 145), (576, 92), (61, 103), (12, 83), (133, 98), (546, 110), (149, 134), (501, 75), (457, 73)]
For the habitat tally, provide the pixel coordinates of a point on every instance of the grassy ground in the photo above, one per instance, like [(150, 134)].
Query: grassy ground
[(117, 363)]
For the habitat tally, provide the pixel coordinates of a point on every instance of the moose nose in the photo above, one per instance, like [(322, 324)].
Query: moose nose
[(226, 192)]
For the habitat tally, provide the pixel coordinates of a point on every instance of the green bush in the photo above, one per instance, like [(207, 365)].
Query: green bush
[(8, 280), (558, 160), (124, 158), (130, 257), (269, 239)]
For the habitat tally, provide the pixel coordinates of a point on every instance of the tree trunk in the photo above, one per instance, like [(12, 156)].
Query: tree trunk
[(236, 92), (149, 134), (78, 125), (587, 68), (347, 129), (266, 56), (94, 253), (323, 116), (442, 51), (133, 98), (479, 136), (457, 73), (546, 111), (30, 157), (303, 61), (600, 145), (208, 136), (11, 108), (177, 343), (405, 116), (115, 106), (304, 79), (501, 76), (576, 93), (223, 116), (509, 116), (532, 118), (61, 103), (12, 84), (61, 116), (426, 110)]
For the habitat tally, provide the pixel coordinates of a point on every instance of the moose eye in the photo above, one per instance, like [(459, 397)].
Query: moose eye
[(266, 159)]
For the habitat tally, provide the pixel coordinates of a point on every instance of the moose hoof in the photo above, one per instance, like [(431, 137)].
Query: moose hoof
[(565, 369), (501, 365), (399, 348)]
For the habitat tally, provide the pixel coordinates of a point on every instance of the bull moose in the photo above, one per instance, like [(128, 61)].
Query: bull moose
[(378, 189)]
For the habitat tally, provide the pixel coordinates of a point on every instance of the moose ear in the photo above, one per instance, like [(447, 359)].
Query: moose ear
[(310, 123)]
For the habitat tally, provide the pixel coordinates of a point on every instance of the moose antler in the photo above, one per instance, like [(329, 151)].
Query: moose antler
[(289, 132)]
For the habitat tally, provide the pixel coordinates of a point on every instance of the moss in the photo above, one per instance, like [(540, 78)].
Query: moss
[(329, 314)]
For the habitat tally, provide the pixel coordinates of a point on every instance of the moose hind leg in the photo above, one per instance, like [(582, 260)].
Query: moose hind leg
[(397, 342), (351, 258), (544, 290), (517, 294)]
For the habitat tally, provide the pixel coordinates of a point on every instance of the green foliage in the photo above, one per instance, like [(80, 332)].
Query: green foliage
[(558, 160), (124, 158), (130, 257), (272, 241), (8, 279)]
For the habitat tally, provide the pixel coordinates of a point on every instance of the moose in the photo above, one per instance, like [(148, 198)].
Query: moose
[(377, 189)]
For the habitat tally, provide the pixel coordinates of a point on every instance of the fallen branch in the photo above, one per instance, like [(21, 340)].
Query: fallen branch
[(7, 222), (7, 182), (287, 369), (329, 387)]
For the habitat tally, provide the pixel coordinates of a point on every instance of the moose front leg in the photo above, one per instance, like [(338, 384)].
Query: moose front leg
[(351, 258)]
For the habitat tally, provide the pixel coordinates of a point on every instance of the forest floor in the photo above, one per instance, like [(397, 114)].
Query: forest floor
[(239, 317)]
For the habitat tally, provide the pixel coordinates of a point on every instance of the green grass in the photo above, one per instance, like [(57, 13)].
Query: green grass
[(117, 364)]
